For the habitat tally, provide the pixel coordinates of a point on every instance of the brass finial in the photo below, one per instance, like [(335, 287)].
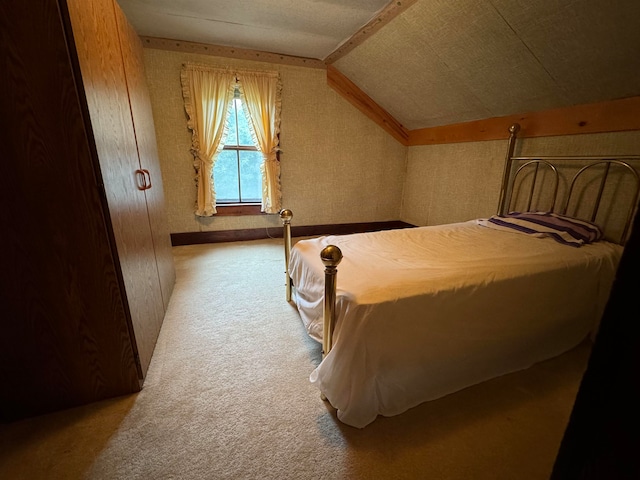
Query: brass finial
[(515, 128), (286, 215), (331, 256)]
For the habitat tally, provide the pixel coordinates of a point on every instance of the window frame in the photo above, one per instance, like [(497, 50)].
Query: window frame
[(238, 208)]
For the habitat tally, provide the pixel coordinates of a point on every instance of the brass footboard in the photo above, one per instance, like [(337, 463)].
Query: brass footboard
[(331, 257), (286, 216)]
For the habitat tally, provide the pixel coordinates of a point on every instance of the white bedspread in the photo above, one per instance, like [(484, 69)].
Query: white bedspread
[(424, 312)]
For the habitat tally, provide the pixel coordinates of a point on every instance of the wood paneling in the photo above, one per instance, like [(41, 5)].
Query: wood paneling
[(98, 45), (81, 298), (65, 337), (115, 85), (145, 135)]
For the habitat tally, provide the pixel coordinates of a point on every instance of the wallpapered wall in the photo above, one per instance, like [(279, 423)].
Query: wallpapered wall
[(337, 166), (458, 182)]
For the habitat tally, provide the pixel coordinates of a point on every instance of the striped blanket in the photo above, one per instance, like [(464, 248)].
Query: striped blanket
[(563, 229)]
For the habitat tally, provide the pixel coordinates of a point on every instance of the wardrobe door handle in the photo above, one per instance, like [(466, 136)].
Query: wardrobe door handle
[(148, 175), (141, 180)]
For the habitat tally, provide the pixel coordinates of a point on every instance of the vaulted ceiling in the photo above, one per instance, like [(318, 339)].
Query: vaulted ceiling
[(431, 62)]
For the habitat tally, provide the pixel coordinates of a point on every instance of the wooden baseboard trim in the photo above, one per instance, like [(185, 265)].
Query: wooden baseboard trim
[(193, 238), (346, 228)]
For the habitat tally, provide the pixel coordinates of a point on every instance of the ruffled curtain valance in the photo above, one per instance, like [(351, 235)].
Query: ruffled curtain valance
[(208, 93)]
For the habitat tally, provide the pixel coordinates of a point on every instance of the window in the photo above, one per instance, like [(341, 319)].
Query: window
[(242, 177), (236, 173)]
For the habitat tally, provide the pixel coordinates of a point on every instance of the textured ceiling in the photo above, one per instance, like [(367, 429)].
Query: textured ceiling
[(442, 62), (437, 62), (304, 28)]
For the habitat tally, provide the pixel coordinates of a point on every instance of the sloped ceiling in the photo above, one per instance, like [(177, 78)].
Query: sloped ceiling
[(438, 62), (443, 62)]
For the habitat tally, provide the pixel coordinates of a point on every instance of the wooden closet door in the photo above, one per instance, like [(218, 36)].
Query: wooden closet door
[(96, 37), (142, 114), (65, 335)]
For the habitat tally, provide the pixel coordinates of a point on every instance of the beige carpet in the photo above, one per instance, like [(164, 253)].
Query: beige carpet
[(227, 397)]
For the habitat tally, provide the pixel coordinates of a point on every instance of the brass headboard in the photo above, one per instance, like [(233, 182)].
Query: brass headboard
[(604, 190)]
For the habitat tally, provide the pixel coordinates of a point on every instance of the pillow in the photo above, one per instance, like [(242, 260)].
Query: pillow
[(563, 229)]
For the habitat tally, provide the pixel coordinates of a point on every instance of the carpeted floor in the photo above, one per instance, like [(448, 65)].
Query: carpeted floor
[(227, 396)]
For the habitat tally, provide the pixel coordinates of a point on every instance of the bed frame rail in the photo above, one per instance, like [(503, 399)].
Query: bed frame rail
[(286, 216)]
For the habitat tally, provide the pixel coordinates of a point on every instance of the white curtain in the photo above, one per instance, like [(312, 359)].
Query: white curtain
[(262, 93), (208, 93)]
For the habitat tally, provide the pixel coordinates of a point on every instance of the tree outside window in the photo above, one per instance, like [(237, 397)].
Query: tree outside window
[(236, 172)]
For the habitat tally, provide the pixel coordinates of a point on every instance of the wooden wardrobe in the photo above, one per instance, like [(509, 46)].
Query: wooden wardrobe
[(87, 265)]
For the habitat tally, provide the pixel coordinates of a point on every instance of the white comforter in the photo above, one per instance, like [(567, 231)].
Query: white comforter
[(424, 312)]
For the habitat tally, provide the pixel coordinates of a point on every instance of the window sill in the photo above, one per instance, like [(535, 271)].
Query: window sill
[(236, 209)]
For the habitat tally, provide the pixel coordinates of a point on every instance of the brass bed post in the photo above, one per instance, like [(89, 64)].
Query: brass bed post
[(331, 257), (513, 130), (286, 216)]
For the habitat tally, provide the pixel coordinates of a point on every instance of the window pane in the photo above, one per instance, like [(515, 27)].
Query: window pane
[(244, 132), (225, 176), (250, 176), (232, 132)]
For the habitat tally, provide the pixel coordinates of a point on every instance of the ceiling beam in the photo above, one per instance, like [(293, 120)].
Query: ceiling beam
[(365, 104), (611, 116), (388, 13), (229, 52)]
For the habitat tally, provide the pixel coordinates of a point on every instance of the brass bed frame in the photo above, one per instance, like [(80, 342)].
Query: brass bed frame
[(531, 167)]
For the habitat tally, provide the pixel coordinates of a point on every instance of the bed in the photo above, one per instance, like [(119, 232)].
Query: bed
[(418, 313)]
